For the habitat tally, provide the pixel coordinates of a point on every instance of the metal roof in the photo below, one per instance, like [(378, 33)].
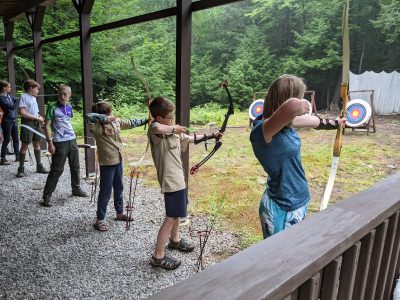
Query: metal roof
[(12, 9)]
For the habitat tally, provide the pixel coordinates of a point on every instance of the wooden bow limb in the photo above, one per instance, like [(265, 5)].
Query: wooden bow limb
[(344, 92), (148, 93)]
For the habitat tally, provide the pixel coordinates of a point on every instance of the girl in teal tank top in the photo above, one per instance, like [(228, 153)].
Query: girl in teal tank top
[(277, 147)]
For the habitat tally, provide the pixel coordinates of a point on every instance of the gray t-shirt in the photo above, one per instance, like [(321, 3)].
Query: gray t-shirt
[(30, 103)]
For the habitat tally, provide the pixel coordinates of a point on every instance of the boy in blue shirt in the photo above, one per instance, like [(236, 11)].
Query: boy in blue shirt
[(63, 145)]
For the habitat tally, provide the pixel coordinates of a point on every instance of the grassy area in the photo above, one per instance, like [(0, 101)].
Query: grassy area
[(234, 170)]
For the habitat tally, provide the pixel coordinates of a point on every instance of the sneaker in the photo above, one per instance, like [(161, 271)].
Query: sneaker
[(40, 169), (182, 245), (184, 221), (79, 193), (21, 172), (167, 263), (46, 201), (4, 162)]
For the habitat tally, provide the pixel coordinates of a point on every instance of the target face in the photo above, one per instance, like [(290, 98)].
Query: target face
[(358, 113), (256, 108)]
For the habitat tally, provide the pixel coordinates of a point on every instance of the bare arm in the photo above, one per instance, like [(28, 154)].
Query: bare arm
[(284, 115), (28, 116), (47, 133), (166, 129), (305, 121)]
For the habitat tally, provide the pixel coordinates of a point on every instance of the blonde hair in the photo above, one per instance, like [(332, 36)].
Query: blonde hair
[(282, 89), (64, 87)]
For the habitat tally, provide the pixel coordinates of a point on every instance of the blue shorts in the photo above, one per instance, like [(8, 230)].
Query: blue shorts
[(176, 204), (274, 219)]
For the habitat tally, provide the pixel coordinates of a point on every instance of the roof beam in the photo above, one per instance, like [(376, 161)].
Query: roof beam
[(18, 8)]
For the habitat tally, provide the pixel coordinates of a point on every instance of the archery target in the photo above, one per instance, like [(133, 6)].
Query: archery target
[(358, 113), (256, 108)]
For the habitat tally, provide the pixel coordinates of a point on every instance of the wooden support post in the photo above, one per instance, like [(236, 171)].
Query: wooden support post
[(84, 8), (35, 19), (183, 55), (9, 31)]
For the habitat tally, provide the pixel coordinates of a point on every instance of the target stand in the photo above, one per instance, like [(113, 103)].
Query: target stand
[(361, 114), (312, 101)]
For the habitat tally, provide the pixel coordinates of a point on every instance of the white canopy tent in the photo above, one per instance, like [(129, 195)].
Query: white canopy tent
[(386, 88)]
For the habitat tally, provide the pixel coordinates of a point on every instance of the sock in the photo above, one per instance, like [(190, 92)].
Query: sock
[(37, 157), (21, 159)]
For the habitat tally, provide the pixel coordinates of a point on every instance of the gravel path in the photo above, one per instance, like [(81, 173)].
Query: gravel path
[(55, 253)]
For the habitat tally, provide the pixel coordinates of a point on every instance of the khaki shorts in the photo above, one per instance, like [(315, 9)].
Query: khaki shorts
[(27, 136)]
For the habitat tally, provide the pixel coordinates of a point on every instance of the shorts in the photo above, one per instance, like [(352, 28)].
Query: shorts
[(176, 204), (27, 136), (274, 219)]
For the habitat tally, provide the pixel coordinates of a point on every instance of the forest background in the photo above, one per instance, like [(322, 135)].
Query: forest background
[(249, 43)]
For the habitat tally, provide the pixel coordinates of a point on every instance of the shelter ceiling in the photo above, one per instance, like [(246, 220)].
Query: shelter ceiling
[(12, 9)]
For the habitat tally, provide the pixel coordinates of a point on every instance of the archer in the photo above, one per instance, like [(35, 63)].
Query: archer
[(276, 145), (167, 141)]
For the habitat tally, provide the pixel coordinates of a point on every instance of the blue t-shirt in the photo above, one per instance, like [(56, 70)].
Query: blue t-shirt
[(287, 183)]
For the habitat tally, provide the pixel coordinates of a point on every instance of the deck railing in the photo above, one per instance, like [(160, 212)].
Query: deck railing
[(348, 251)]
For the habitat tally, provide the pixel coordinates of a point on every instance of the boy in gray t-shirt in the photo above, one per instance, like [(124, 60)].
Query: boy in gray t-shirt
[(30, 122)]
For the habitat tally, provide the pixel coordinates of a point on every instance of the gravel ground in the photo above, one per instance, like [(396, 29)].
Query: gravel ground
[(55, 253)]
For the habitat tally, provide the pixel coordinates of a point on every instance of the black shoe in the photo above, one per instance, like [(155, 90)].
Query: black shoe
[(40, 169), (4, 162), (79, 193), (182, 245), (21, 172), (46, 201)]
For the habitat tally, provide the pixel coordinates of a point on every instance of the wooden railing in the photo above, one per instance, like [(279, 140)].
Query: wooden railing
[(348, 251)]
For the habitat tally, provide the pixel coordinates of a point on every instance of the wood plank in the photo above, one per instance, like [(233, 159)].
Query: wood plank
[(348, 273), (392, 276), (311, 288), (363, 265), (386, 257), (376, 259), (205, 4), (330, 280), (293, 296), (264, 271)]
